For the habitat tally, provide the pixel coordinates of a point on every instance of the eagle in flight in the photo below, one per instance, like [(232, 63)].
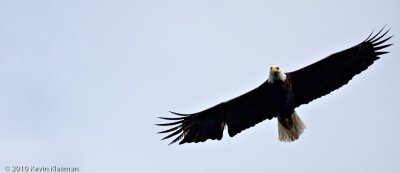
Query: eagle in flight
[(278, 96)]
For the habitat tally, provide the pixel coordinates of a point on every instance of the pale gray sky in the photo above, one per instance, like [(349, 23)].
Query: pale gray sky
[(82, 82)]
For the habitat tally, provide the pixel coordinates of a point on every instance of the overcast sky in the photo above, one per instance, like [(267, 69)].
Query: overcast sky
[(82, 83)]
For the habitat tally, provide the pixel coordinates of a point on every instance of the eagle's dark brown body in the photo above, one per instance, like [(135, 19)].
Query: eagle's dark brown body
[(284, 101)]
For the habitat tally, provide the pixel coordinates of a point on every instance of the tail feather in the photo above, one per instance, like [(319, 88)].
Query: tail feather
[(293, 132)]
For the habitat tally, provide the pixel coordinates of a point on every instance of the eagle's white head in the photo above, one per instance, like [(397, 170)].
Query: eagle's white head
[(276, 74)]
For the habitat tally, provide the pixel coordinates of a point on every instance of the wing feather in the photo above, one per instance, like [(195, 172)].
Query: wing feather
[(336, 70), (238, 114)]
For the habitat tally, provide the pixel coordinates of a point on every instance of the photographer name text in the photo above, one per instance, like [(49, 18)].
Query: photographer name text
[(41, 169)]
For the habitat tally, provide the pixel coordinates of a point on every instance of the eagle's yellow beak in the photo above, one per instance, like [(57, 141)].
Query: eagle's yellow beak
[(274, 69)]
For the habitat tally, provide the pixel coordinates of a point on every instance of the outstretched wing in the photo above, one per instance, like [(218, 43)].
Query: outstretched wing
[(238, 114), (336, 70)]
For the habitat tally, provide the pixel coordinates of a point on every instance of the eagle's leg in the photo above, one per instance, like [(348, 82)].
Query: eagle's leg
[(290, 128)]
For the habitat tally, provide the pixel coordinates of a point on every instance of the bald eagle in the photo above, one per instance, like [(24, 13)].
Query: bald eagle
[(278, 96)]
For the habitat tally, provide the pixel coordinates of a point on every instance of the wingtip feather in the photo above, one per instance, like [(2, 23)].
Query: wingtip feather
[(382, 47), (369, 35), (372, 41), (168, 118), (170, 130), (168, 124), (369, 40), (382, 41), (380, 53), (179, 113)]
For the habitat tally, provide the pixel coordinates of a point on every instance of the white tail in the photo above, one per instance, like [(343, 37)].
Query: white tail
[(290, 135)]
